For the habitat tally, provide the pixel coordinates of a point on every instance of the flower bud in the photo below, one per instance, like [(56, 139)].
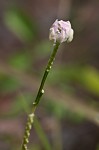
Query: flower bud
[(61, 31)]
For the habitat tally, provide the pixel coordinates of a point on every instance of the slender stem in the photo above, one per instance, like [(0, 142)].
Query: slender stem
[(38, 97), (47, 70)]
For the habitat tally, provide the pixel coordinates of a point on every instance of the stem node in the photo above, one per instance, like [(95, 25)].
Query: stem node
[(38, 97)]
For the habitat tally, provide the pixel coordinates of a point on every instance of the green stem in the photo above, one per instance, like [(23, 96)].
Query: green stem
[(38, 97), (47, 70)]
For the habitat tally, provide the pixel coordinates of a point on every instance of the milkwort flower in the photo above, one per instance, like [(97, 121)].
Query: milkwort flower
[(61, 31)]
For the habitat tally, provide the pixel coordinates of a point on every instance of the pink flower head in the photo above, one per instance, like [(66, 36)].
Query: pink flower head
[(61, 31)]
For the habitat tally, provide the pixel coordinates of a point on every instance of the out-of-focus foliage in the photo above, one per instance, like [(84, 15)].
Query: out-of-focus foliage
[(43, 49), (21, 104), (8, 84), (61, 112), (42, 136), (24, 46), (20, 61), (97, 147), (87, 77), (90, 79), (20, 24)]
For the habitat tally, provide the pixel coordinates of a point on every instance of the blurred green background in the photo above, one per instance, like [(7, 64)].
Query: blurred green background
[(68, 115)]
